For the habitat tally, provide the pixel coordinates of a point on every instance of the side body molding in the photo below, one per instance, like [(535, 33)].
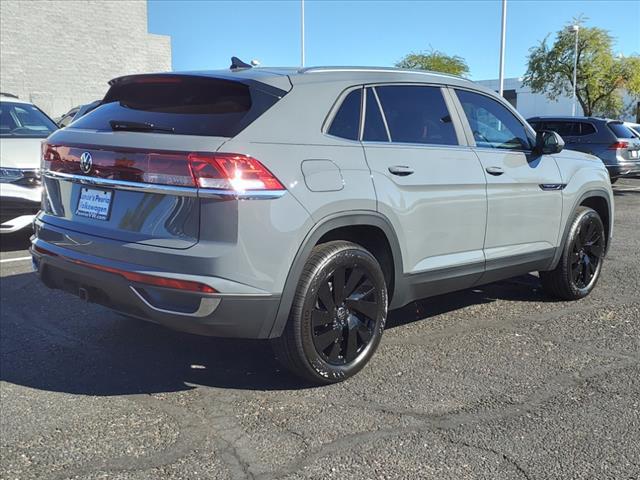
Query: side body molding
[(331, 222)]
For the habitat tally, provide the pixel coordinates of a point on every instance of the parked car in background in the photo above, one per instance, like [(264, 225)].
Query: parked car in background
[(298, 205), (75, 113), (23, 126), (610, 140), (635, 127)]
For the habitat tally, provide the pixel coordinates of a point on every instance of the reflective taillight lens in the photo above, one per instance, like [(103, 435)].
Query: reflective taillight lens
[(231, 171), (618, 145), (224, 171)]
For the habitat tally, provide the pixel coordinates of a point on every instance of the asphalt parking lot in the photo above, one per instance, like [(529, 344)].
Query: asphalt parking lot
[(497, 382)]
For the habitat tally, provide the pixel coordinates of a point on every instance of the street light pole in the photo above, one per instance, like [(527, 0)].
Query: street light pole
[(302, 33), (502, 42), (576, 29)]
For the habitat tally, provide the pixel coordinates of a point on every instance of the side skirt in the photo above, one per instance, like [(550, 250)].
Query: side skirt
[(437, 282)]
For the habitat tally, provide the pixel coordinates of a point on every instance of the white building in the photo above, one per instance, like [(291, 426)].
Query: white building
[(531, 104), (61, 53)]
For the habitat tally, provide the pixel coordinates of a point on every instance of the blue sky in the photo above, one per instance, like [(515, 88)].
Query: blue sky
[(205, 34)]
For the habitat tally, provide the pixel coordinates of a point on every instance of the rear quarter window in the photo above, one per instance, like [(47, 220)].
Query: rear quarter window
[(188, 105), (346, 122)]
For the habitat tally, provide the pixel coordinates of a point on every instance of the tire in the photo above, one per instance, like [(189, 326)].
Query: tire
[(332, 332), (579, 267)]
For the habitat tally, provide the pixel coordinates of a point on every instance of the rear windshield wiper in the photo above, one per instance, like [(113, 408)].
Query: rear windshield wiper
[(126, 125)]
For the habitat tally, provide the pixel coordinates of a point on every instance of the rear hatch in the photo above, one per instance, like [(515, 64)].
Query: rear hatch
[(627, 144), (125, 171)]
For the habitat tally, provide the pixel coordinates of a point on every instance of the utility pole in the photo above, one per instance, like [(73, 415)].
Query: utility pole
[(574, 28), (302, 33), (502, 42)]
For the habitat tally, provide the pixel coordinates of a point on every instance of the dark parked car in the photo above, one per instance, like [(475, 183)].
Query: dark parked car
[(610, 140), (76, 112)]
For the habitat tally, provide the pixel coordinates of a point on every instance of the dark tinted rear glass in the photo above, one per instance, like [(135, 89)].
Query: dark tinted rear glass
[(417, 114), (620, 130), (587, 129), (188, 105), (346, 123), (374, 130), (564, 129)]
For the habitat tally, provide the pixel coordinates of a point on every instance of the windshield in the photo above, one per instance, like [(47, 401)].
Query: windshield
[(24, 120)]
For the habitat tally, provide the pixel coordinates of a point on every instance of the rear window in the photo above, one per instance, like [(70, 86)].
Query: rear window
[(23, 120), (188, 105), (620, 130), (417, 114)]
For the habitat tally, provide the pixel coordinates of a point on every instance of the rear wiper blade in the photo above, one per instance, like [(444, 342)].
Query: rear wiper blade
[(126, 125)]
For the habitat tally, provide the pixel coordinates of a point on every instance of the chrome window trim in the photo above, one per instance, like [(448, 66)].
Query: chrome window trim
[(382, 114), (165, 189)]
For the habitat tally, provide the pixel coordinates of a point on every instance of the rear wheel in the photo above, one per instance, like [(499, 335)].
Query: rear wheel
[(338, 314), (579, 267)]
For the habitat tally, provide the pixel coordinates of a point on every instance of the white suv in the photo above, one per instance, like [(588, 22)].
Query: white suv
[(22, 128)]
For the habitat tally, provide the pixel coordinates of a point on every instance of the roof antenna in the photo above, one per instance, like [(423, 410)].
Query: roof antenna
[(236, 63)]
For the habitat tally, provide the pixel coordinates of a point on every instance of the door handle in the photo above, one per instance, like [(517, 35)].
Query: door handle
[(401, 170), (494, 171)]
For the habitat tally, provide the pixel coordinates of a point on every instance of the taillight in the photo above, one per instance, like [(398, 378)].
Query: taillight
[(618, 145), (231, 171), (223, 171)]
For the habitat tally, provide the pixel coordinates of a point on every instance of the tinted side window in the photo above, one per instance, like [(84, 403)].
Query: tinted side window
[(493, 126), (587, 129), (417, 114), (346, 123), (564, 129), (374, 130)]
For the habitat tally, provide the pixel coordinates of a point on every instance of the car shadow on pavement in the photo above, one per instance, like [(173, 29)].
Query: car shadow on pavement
[(53, 341), (12, 242)]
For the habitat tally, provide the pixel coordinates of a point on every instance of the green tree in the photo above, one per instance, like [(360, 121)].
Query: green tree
[(435, 61), (601, 76)]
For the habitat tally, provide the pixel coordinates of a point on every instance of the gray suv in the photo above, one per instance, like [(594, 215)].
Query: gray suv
[(610, 140), (300, 205)]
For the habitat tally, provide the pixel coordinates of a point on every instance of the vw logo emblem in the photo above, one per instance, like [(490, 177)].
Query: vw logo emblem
[(86, 162)]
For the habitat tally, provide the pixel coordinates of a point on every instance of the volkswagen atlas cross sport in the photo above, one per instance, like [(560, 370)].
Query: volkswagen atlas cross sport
[(300, 205)]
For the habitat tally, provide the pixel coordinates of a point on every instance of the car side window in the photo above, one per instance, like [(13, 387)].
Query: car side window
[(492, 124), (564, 129), (587, 129), (346, 122), (417, 114), (374, 129)]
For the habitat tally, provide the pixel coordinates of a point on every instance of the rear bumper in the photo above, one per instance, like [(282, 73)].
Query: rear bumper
[(624, 169), (212, 314)]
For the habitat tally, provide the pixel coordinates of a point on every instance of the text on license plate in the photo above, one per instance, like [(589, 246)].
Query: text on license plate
[(634, 153), (94, 203)]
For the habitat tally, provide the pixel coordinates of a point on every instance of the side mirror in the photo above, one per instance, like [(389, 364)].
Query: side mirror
[(548, 142)]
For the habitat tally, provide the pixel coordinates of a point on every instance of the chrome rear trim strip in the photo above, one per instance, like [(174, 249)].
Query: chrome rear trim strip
[(165, 189)]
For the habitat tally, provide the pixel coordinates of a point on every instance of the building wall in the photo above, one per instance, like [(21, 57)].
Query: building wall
[(61, 53), (533, 104)]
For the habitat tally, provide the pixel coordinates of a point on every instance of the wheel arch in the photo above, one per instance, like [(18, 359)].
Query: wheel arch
[(598, 199), (351, 226)]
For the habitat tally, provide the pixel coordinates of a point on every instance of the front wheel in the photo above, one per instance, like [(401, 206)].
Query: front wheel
[(338, 314), (579, 267)]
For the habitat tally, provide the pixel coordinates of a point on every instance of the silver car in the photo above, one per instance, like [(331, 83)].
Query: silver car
[(299, 205), (616, 144)]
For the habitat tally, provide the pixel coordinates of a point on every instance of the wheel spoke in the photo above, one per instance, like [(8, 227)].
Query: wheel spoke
[(355, 278), (325, 339), (596, 249), (335, 351), (591, 231), (364, 333), (338, 285), (320, 318), (368, 309), (352, 345), (325, 296)]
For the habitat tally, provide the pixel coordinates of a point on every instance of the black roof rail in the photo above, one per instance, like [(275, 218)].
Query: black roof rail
[(3, 94)]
